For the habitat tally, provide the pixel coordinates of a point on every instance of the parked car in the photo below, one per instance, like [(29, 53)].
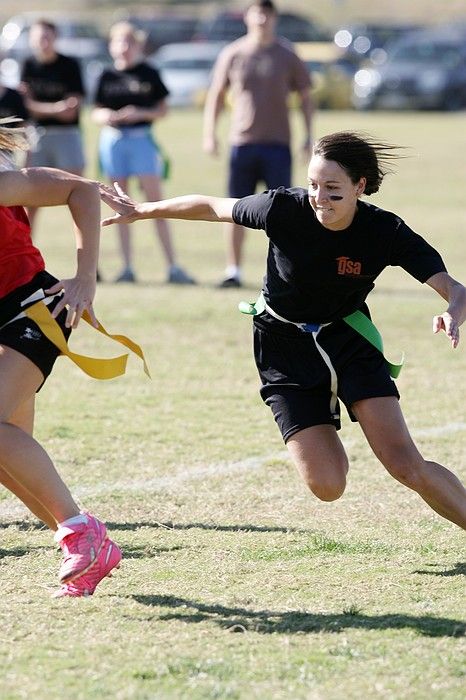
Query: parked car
[(186, 68), (298, 28), (425, 70), (224, 26), (368, 40), (163, 29), (228, 26), (332, 77), (75, 38)]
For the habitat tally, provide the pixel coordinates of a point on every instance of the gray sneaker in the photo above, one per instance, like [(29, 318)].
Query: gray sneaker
[(230, 283), (178, 276), (126, 276)]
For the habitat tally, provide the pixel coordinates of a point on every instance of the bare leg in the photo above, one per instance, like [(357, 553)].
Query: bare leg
[(320, 458), (152, 189), (21, 457), (124, 234), (383, 424), (24, 419), (235, 235)]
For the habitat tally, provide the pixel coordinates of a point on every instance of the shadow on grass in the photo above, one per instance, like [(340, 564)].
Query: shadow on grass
[(293, 622), (20, 551), (148, 552), (23, 525), (37, 525), (14, 552), (458, 570), (204, 526)]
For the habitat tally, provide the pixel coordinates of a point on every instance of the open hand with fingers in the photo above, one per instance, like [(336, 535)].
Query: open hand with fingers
[(118, 200), (445, 322), (78, 295)]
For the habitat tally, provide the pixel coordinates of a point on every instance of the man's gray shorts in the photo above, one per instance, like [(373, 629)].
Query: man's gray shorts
[(57, 147)]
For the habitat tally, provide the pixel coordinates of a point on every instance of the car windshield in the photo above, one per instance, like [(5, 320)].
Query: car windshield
[(446, 55), (78, 30), (160, 27), (186, 63)]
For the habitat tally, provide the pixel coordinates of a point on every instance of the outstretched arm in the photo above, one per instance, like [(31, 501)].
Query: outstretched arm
[(455, 294), (38, 187), (193, 207)]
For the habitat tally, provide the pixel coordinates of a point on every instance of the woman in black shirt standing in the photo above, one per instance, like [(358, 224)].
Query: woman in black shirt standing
[(326, 248), (130, 97)]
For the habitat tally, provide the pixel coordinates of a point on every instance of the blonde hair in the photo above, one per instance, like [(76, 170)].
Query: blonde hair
[(12, 139), (127, 28)]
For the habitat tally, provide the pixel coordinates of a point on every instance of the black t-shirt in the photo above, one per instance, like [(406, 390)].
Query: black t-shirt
[(12, 105), (139, 86), (317, 275), (52, 82)]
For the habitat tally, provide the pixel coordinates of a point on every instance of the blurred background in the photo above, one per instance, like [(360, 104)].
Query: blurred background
[(363, 55)]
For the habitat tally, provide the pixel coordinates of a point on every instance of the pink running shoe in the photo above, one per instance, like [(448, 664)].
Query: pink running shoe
[(108, 558), (81, 545)]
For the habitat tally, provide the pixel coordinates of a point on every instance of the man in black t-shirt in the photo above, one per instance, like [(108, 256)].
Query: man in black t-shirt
[(53, 89)]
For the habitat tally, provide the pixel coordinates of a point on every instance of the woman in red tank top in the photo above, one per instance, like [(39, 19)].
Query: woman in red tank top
[(27, 357)]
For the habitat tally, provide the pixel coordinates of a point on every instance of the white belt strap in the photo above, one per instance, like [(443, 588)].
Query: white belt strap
[(38, 295), (333, 375), (314, 329), (307, 327)]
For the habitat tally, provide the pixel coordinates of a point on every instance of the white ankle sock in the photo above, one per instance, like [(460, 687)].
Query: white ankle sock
[(75, 520), (233, 271)]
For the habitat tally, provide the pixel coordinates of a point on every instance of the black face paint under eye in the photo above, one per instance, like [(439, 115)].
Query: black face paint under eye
[(335, 197)]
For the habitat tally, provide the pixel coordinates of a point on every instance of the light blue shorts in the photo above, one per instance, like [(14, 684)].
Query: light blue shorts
[(129, 151)]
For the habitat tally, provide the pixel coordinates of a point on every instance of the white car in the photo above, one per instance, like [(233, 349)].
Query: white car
[(80, 39), (185, 69)]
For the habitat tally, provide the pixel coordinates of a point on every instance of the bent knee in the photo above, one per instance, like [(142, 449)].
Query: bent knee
[(405, 468), (327, 489)]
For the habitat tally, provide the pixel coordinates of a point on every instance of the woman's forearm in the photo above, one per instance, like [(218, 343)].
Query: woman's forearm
[(84, 205), (191, 207), (457, 302)]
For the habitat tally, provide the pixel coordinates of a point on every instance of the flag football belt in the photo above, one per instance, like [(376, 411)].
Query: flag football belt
[(96, 367), (357, 320)]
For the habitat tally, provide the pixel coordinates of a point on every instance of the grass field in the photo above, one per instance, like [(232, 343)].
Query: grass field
[(236, 583)]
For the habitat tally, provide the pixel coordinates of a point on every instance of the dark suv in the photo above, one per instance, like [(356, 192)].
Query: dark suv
[(425, 70), (164, 29)]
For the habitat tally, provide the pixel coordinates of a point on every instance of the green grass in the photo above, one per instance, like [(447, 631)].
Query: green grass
[(236, 583)]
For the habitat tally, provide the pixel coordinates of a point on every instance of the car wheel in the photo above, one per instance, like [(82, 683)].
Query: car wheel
[(453, 102)]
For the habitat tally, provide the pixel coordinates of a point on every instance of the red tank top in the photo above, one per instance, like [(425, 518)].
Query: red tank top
[(20, 261)]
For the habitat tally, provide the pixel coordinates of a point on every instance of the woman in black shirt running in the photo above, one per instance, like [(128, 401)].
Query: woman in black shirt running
[(326, 248)]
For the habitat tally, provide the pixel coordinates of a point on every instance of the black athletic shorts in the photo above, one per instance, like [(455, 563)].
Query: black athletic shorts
[(23, 335), (297, 376)]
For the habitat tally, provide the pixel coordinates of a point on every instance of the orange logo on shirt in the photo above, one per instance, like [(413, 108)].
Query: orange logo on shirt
[(348, 267)]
